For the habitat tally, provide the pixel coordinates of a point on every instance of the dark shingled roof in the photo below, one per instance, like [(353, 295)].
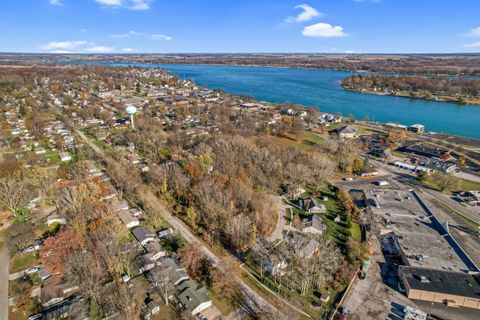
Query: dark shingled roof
[(455, 283)]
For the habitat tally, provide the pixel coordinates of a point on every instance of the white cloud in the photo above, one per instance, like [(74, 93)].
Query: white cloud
[(138, 5), (161, 37), (323, 30), (100, 49), (308, 14), (61, 51), (131, 33), (78, 46), (472, 45), (128, 50), (349, 51), (63, 45), (110, 2), (125, 35), (475, 32), (55, 2)]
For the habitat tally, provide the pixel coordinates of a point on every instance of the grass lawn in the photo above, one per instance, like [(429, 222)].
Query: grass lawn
[(304, 140), (23, 261), (101, 144), (53, 157), (461, 184), (220, 302), (475, 225), (336, 231), (166, 313)]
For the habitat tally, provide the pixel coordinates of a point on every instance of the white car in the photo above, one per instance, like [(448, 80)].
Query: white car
[(33, 270), (29, 249)]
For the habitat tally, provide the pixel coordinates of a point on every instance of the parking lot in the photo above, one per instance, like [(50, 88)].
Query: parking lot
[(372, 298)]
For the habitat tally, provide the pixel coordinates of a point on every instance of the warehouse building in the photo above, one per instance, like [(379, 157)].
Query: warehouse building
[(454, 289)]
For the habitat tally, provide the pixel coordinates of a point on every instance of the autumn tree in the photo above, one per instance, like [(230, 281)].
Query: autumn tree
[(57, 249)]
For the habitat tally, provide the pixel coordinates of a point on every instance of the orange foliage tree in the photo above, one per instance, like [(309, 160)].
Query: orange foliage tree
[(56, 249)]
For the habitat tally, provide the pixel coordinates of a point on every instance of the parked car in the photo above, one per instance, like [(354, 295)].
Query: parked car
[(33, 270), (29, 249)]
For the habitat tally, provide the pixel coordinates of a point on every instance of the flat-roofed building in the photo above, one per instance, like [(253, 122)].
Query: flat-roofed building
[(455, 289)]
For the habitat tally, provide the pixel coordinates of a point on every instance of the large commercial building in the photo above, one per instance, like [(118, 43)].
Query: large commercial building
[(455, 289)]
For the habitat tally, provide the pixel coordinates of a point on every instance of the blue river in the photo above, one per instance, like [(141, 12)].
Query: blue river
[(322, 89)]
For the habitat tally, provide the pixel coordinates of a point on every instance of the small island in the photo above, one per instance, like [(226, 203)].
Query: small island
[(457, 90)]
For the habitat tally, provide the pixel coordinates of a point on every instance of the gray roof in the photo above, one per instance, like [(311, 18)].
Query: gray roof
[(313, 221), (345, 129), (167, 266), (142, 233), (448, 282), (192, 294)]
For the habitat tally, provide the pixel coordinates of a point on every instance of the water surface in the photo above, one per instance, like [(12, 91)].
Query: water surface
[(322, 89)]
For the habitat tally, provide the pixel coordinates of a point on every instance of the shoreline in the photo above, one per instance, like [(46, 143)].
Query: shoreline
[(444, 99), (353, 71)]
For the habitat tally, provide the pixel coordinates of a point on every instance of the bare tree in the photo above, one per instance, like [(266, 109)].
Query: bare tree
[(14, 192)]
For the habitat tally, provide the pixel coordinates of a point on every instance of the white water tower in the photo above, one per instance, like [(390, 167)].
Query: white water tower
[(131, 110)]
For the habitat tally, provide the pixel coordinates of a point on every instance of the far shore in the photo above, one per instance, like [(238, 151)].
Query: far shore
[(449, 99)]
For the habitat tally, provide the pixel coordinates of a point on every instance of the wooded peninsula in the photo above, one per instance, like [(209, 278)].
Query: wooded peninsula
[(458, 90)]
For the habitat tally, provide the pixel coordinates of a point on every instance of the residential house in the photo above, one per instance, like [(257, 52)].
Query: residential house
[(193, 297), (302, 246), (119, 205), (418, 128), (274, 264), (312, 206), (167, 268), (54, 290), (127, 219), (346, 132), (143, 263), (154, 250), (143, 235), (313, 224), (165, 233)]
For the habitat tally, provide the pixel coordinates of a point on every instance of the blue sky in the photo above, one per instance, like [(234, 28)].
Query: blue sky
[(198, 26)]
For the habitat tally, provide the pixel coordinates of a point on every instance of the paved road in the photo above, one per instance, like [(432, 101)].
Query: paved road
[(4, 262), (256, 301)]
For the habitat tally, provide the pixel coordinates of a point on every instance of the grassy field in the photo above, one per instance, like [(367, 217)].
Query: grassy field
[(21, 262), (336, 231), (220, 302), (474, 225), (304, 140), (460, 184)]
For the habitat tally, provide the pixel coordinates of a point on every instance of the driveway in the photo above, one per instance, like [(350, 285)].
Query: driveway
[(277, 233)]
